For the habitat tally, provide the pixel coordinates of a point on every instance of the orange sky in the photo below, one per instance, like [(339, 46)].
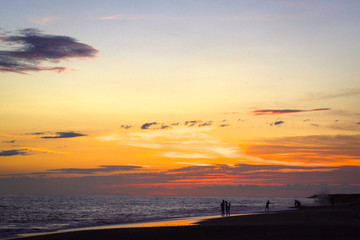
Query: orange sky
[(191, 98)]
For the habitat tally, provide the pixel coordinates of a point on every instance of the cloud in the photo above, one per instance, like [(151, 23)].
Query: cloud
[(44, 150), (205, 124), (276, 123), (231, 18), (42, 20), (193, 164), (103, 168), (187, 155), (35, 48), (35, 133), (10, 141), (65, 135), (279, 123), (148, 125), (182, 140), (13, 152), (191, 123), (196, 180), (314, 150), (126, 126), (358, 123), (224, 125), (284, 111), (231, 112)]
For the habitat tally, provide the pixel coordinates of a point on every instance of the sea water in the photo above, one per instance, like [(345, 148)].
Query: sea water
[(21, 214)]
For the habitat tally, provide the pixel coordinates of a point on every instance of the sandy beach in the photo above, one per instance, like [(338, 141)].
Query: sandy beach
[(341, 222)]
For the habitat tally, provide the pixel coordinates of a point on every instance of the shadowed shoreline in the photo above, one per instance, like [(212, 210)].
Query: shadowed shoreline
[(325, 222)]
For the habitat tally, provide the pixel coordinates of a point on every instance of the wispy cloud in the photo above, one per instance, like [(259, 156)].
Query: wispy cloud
[(197, 179), (315, 150), (148, 125), (65, 135), (42, 20), (13, 152), (44, 150), (100, 169), (189, 124), (49, 135), (187, 155), (181, 142), (277, 123), (126, 126), (284, 111), (36, 48), (227, 18)]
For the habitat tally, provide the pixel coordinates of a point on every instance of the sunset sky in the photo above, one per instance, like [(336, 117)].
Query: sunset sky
[(201, 98)]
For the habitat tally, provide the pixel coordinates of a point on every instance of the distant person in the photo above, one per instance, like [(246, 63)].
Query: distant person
[(267, 205), (297, 203), (228, 205), (222, 206)]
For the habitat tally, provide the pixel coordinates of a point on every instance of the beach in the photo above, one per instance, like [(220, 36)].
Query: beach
[(325, 222)]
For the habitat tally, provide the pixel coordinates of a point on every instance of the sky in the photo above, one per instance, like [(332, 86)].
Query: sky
[(180, 97)]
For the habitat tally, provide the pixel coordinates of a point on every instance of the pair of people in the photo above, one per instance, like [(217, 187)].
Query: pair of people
[(225, 208)]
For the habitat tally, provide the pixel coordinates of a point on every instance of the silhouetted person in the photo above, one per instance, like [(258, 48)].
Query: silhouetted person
[(267, 205), (228, 205), (297, 203), (222, 206)]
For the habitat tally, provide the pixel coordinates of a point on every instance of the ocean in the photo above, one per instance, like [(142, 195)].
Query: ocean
[(20, 214)]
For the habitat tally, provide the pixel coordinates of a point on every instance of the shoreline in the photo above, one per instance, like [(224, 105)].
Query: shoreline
[(322, 222), (171, 222)]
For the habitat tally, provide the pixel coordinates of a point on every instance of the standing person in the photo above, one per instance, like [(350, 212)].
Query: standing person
[(228, 205), (222, 206), (267, 205)]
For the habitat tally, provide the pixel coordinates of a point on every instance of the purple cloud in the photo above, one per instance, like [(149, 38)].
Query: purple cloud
[(14, 152), (126, 126), (66, 135), (147, 125), (36, 48), (104, 168), (284, 111)]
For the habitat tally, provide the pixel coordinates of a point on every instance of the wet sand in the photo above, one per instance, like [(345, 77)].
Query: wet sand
[(341, 222)]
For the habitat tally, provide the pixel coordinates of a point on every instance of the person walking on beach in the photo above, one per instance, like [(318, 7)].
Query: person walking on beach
[(228, 205), (267, 205), (222, 206)]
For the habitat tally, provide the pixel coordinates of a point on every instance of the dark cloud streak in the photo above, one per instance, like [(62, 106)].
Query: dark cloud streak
[(65, 135), (103, 168), (284, 111), (148, 125), (37, 48), (14, 152)]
